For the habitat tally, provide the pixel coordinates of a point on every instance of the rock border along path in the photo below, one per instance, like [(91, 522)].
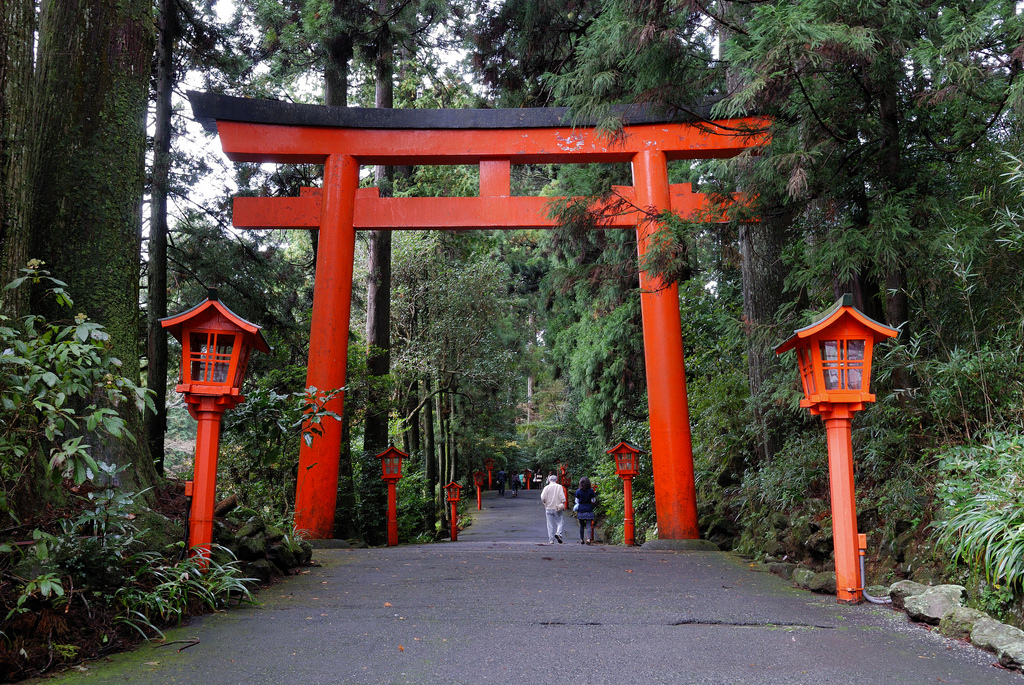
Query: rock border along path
[(510, 610)]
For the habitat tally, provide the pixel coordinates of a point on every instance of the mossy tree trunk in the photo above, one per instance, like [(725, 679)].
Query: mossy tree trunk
[(89, 142), (17, 29)]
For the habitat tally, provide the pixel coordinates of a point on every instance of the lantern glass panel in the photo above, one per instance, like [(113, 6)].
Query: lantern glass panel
[(830, 363), (855, 358), (625, 462), (803, 355), (210, 356), (842, 364), (243, 362)]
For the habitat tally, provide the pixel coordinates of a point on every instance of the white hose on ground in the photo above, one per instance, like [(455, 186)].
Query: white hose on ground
[(864, 584)]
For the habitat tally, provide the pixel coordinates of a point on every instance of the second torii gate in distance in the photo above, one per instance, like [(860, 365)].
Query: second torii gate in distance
[(342, 139)]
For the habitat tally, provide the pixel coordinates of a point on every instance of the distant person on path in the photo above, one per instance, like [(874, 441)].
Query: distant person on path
[(515, 484), (501, 482), (538, 479), (586, 498), (553, 499)]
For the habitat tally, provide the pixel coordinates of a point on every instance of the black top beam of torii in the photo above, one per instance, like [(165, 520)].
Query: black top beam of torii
[(207, 108)]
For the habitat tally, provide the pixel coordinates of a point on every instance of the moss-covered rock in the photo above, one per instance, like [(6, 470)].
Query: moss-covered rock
[(823, 583), (959, 622), (273, 534), (251, 527), (252, 548), (782, 569), (901, 589), (932, 604), (260, 569), (997, 637), (157, 532), (802, 577), (305, 552), (820, 544), (282, 556)]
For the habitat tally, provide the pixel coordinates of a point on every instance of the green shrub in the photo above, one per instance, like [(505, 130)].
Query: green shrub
[(983, 507), (51, 378), (162, 592)]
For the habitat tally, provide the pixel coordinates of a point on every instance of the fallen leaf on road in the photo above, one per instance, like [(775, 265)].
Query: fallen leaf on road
[(628, 571), (150, 663), (401, 648), (387, 604)]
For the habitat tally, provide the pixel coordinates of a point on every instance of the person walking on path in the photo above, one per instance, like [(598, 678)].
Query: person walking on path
[(501, 482), (553, 499), (515, 484), (586, 498)]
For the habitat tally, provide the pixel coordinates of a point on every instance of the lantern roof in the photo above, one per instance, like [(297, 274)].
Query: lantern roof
[(209, 309), (624, 446), (842, 308), (392, 450)]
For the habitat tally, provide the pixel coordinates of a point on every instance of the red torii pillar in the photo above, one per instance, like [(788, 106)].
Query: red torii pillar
[(316, 493), (281, 132), (671, 447)]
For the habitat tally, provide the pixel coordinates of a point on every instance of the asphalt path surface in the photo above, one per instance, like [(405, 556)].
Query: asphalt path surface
[(500, 605)]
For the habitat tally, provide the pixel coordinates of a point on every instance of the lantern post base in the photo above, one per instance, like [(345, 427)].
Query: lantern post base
[(455, 522), (838, 422), (392, 515), (204, 489), (628, 532), (479, 501)]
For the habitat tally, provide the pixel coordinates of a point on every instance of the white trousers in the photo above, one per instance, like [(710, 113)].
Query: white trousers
[(555, 523)]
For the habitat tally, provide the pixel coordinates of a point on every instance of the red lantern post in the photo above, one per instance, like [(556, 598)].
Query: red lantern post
[(834, 357), (529, 477), (215, 347), (563, 479), (489, 465), (452, 491), (626, 456), (478, 481), (391, 467)]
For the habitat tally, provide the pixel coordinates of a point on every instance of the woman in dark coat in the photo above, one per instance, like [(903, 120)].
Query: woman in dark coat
[(586, 498)]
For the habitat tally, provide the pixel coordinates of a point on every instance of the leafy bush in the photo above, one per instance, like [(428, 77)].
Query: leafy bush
[(52, 376), (798, 471), (984, 507), (162, 592)]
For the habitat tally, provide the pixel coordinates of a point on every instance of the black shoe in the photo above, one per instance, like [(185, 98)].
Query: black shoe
[(559, 538)]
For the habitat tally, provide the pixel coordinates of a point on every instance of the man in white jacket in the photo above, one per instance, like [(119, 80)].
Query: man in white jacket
[(553, 499)]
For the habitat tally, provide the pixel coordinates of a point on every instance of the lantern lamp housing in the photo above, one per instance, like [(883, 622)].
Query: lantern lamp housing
[(452, 491), (488, 463), (391, 463), (834, 356), (478, 479), (626, 459), (215, 348)]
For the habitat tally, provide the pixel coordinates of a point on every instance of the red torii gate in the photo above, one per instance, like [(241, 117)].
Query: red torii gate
[(342, 139)]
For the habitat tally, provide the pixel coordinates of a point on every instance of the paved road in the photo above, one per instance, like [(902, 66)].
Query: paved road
[(496, 606)]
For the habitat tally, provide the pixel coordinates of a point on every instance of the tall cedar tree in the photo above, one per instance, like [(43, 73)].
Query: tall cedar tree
[(89, 142), (17, 30)]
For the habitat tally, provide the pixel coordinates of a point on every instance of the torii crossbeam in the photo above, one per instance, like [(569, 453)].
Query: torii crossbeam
[(342, 139)]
